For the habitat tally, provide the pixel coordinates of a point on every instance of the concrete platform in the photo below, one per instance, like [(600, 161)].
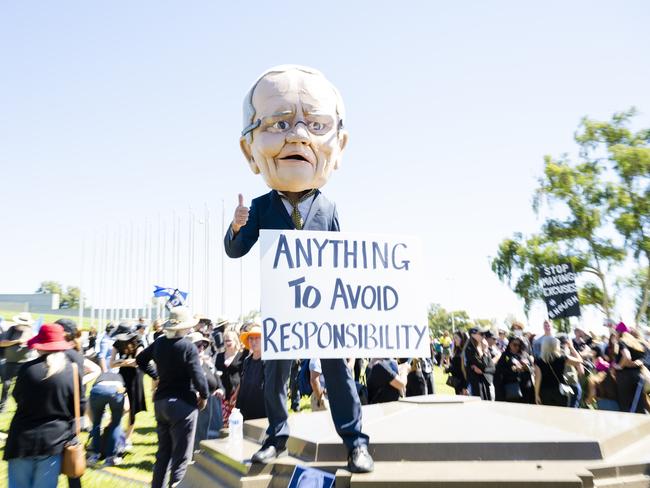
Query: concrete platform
[(440, 441)]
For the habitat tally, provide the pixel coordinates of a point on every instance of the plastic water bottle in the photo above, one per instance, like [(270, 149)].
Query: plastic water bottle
[(236, 426)]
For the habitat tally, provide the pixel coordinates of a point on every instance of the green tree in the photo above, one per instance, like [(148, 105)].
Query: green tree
[(67, 299), (638, 282), (50, 287), (441, 320), (582, 204), (71, 297), (627, 153)]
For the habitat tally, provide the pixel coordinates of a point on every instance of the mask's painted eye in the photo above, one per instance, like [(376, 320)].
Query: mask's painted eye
[(281, 125), (316, 126)]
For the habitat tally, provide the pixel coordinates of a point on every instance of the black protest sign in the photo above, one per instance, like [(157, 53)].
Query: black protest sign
[(560, 292)]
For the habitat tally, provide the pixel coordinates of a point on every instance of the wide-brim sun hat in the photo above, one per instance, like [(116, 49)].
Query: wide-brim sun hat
[(23, 318), (180, 318), (632, 342), (123, 333), (254, 331), (50, 337), (196, 337), (222, 323)]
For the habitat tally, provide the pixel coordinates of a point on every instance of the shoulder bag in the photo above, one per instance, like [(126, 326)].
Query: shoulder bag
[(73, 463), (564, 389)]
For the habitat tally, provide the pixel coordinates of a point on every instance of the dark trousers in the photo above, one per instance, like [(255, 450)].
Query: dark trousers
[(553, 397), (209, 422), (9, 372), (176, 428), (293, 384), (102, 396), (341, 391)]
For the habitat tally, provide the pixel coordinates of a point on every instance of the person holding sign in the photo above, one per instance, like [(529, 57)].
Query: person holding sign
[(293, 136)]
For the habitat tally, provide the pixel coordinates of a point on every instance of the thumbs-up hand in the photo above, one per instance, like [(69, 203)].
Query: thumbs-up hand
[(241, 215)]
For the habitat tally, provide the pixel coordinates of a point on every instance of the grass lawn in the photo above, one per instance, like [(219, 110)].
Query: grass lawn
[(138, 465), (47, 318)]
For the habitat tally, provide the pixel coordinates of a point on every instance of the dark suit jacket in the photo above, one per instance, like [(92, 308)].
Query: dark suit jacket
[(268, 212)]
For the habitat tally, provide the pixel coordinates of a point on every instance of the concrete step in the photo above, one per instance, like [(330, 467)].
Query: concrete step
[(228, 477), (634, 481), (470, 475), (197, 477)]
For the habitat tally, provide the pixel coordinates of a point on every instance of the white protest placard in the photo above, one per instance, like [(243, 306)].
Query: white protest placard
[(342, 295)]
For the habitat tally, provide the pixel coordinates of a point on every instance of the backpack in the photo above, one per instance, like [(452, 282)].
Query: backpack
[(304, 383)]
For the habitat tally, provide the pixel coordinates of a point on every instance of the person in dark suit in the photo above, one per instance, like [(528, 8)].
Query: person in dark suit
[(293, 135)]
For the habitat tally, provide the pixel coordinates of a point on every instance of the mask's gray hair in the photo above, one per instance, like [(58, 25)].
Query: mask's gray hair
[(249, 110)]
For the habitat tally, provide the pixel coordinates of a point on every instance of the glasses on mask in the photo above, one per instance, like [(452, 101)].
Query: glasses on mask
[(316, 124)]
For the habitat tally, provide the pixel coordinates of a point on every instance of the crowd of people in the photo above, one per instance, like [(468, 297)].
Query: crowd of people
[(607, 372), (202, 371)]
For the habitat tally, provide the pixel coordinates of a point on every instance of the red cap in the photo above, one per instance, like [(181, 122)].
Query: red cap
[(50, 337)]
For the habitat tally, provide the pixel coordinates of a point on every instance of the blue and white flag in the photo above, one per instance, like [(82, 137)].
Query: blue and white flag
[(36, 326), (176, 299), (160, 291)]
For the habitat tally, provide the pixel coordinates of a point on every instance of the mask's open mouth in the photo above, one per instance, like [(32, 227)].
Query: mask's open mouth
[(294, 157)]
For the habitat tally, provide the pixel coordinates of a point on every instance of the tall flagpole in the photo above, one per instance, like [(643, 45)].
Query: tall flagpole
[(190, 253), (114, 269), (93, 277), (81, 282), (130, 277), (223, 260), (207, 259), (148, 281)]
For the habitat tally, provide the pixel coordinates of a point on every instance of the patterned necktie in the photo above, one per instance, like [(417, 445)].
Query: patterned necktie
[(295, 213)]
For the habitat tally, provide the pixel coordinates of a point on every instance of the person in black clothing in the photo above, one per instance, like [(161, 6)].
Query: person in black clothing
[(210, 419), (229, 363), (512, 376), (250, 400), (126, 348), (180, 379), (386, 380), (629, 381), (416, 384), (43, 422), (456, 377), (479, 368), (549, 372)]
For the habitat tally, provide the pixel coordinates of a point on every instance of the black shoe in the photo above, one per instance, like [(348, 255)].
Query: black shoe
[(360, 461), (265, 455), (295, 408)]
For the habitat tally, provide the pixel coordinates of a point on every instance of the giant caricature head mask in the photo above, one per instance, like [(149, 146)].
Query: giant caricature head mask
[(293, 128)]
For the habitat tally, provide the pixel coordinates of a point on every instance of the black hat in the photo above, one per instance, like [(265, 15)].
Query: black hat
[(123, 333), (69, 326), (480, 330)]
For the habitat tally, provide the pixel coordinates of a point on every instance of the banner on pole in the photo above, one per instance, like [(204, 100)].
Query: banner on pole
[(176, 297), (560, 291), (341, 295)]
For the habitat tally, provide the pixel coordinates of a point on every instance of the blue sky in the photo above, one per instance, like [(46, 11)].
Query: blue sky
[(116, 112)]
